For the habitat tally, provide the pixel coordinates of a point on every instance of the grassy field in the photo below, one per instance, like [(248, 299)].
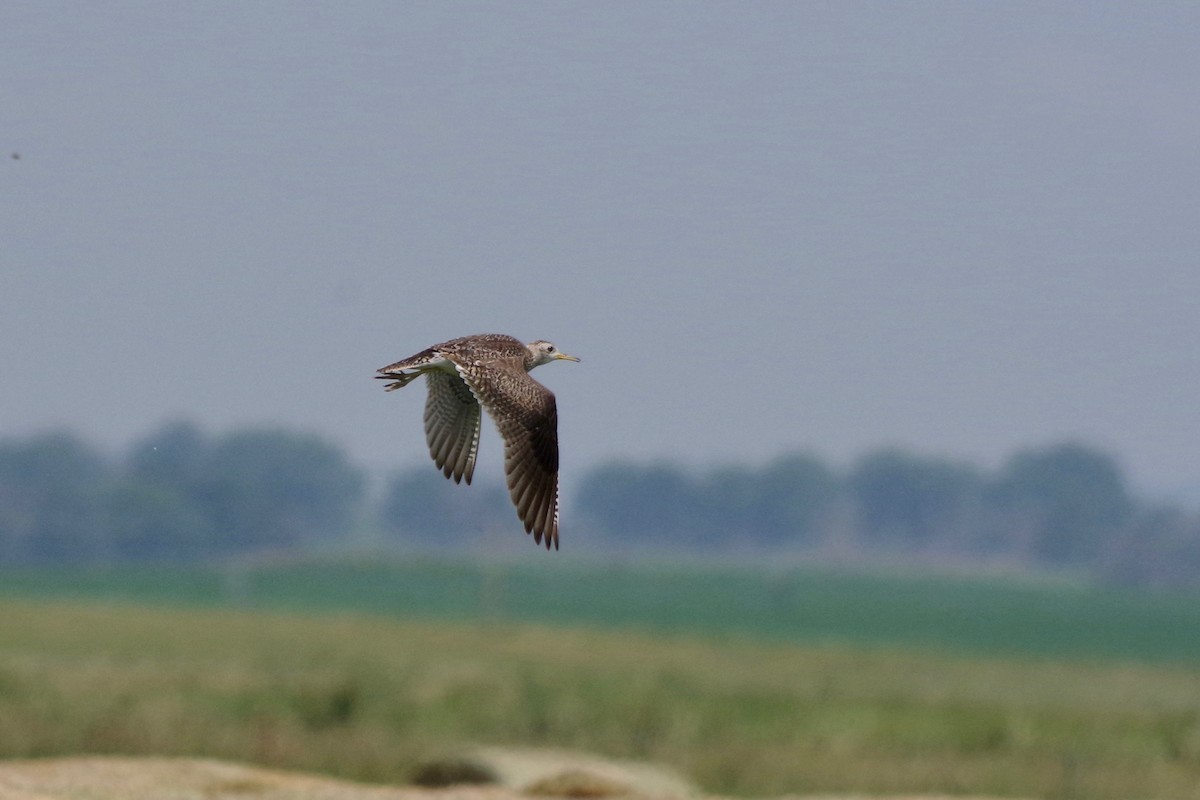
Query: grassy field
[(965, 615), (366, 697)]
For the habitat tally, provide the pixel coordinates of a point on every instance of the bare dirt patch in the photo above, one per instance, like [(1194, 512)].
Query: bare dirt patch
[(105, 778), (118, 778)]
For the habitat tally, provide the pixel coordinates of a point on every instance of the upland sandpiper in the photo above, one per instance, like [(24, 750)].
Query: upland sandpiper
[(492, 370)]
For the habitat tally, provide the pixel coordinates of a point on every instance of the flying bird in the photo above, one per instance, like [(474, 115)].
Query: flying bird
[(492, 370)]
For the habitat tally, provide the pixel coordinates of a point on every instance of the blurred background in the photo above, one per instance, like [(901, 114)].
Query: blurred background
[(887, 317)]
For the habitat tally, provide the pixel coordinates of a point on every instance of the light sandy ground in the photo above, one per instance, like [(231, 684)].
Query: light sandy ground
[(113, 778), (545, 772), (191, 779)]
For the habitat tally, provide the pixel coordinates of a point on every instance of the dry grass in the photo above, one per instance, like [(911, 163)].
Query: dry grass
[(368, 699)]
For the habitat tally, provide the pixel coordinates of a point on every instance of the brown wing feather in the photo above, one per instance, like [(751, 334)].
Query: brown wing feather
[(451, 425), (412, 362), (526, 415)]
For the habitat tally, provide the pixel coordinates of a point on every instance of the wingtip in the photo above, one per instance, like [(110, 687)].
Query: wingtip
[(545, 539)]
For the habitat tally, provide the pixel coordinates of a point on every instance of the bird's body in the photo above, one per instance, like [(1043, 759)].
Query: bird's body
[(492, 370)]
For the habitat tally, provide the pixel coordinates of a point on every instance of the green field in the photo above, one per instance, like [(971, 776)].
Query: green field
[(753, 685), (969, 615)]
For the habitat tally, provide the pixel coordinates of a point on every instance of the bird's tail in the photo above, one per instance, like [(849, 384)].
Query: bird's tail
[(398, 379)]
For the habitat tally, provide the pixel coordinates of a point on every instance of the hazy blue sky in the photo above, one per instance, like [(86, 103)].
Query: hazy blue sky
[(960, 227)]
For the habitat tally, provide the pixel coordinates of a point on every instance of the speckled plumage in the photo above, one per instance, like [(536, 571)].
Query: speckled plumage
[(492, 370)]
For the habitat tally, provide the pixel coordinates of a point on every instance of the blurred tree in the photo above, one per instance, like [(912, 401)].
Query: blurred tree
[(1159, 547), (782, 503), (421, 505), (266, 488), (155, 512), (729, 508), (174, 455), (51, 499), (913, 501), (1065, 503), (656, 504), (155, 521), (798, 492)]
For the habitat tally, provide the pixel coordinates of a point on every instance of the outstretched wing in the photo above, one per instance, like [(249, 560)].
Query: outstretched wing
[(527, 417), (451, 424)]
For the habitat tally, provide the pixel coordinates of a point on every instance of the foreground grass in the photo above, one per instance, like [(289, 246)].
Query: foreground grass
[(366, 698)]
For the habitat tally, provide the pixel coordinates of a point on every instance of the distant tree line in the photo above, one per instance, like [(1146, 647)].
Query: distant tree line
[(180, 494), (1065, 507), (176, 495)]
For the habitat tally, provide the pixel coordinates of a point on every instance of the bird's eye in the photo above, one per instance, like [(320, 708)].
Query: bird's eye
[(549, 348)]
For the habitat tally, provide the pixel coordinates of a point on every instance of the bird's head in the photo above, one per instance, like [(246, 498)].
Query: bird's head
[(544, 352)]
